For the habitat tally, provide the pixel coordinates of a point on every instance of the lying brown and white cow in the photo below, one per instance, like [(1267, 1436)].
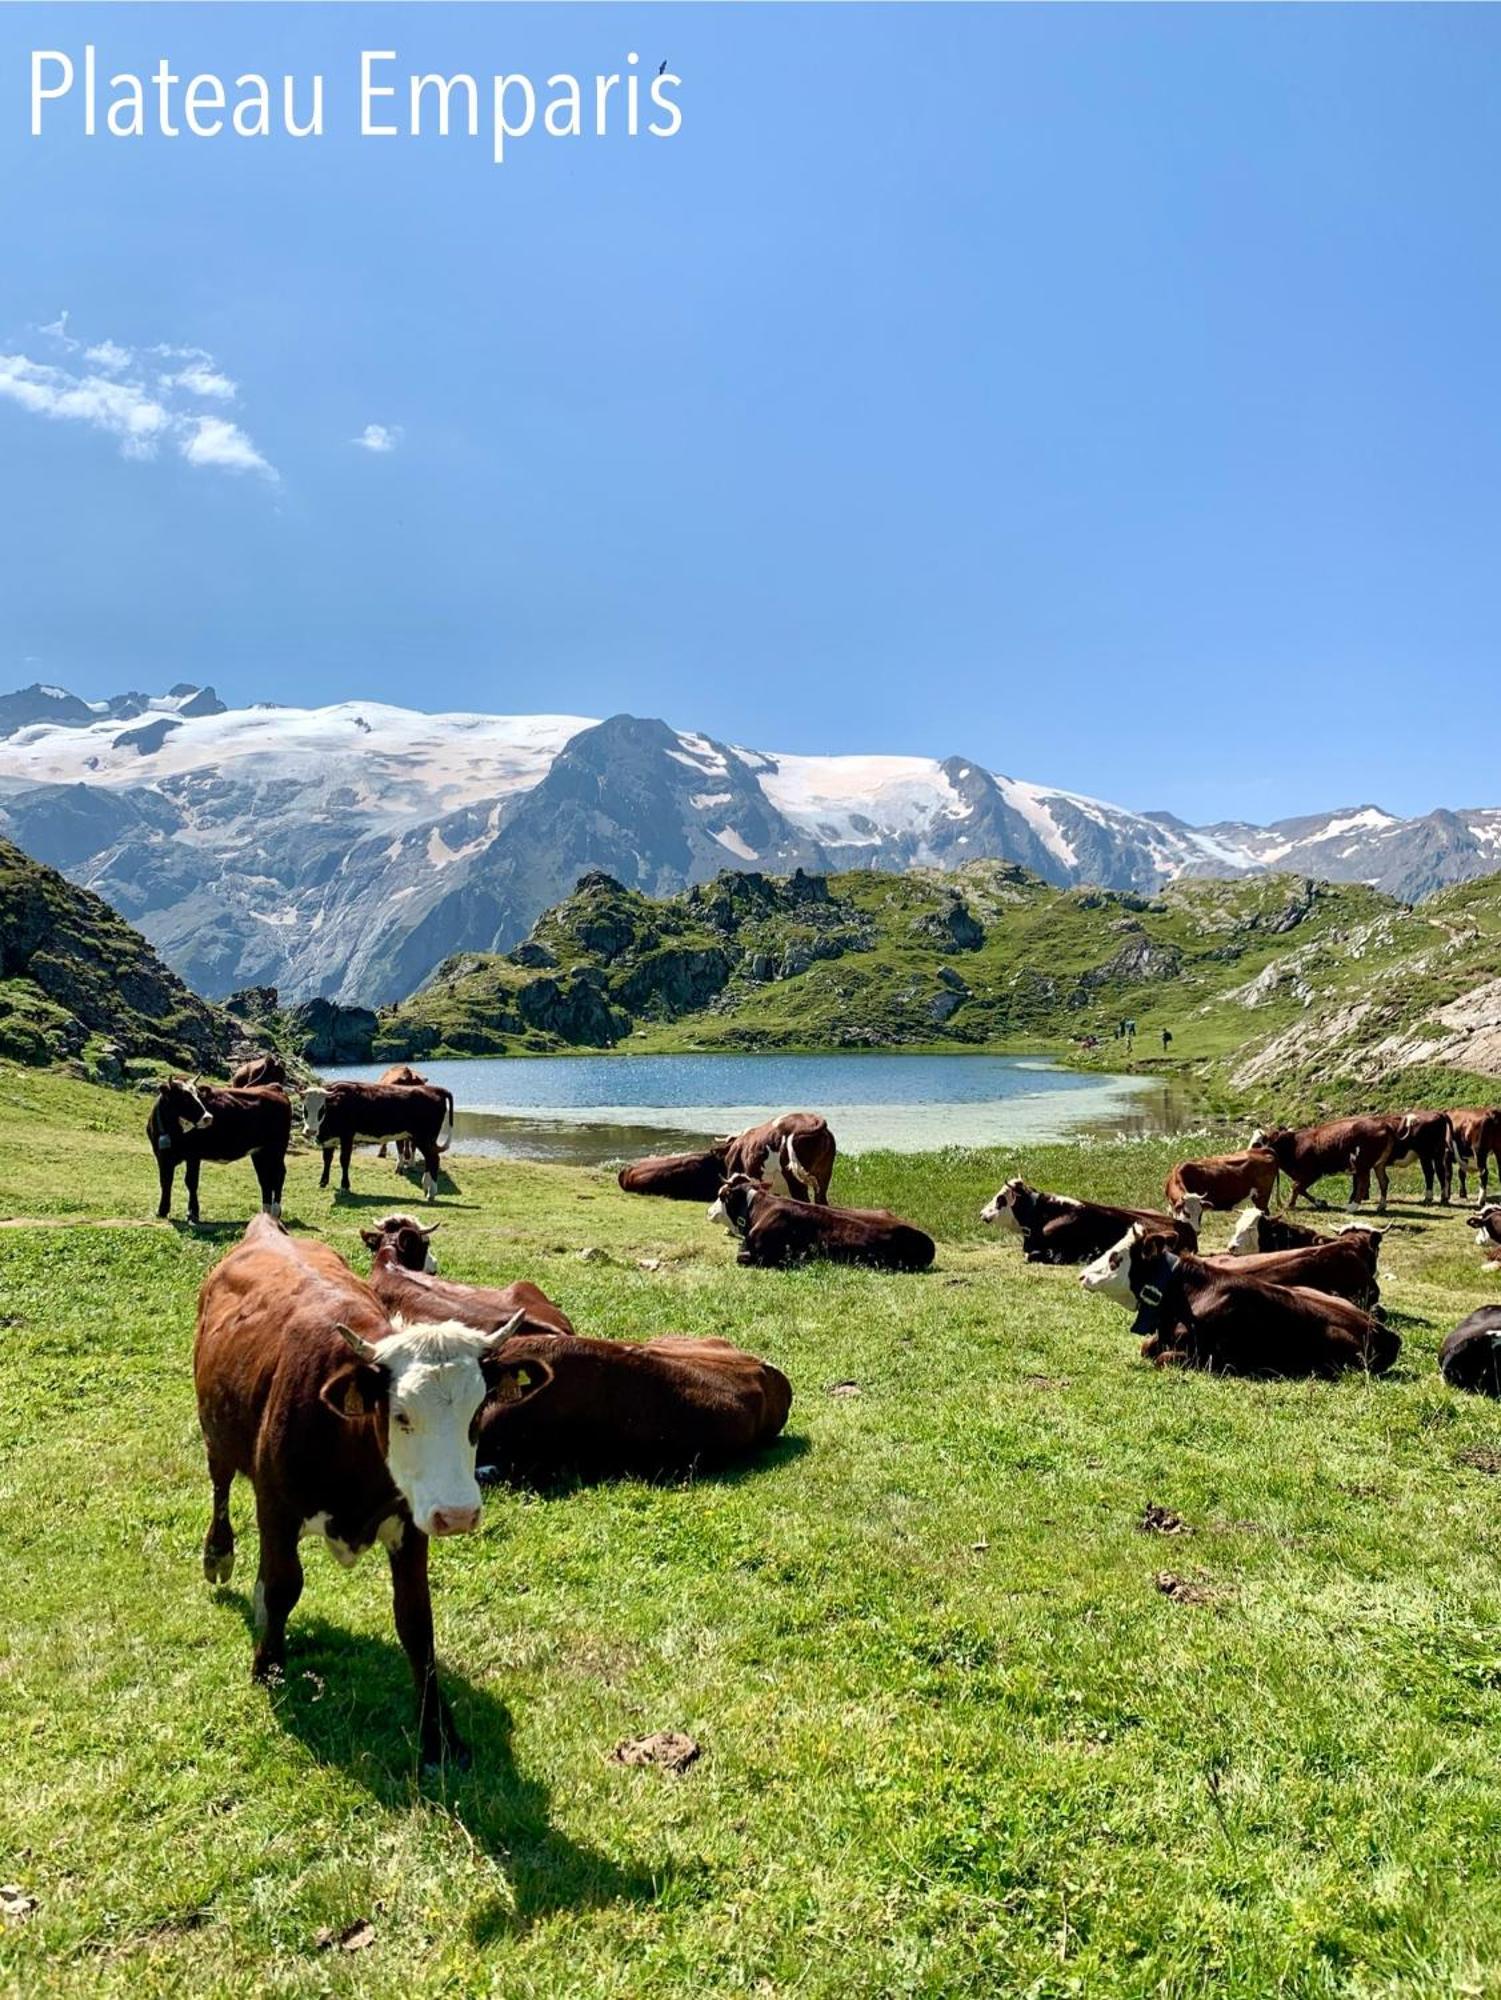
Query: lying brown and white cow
[(346, 1113), (610, 1409), (409, 1239), (191, 1122), (775, 1232), (1345, 1267), (1358, 1147), (1224, 1180), (399, 1073), (1197, 1316), (1060, 1229), (1477, 1142), (410, 1294), (1256, 1233), (1470, 1357), (1486, 1223), (348, 1429), (258, 1070), (793, 1155)]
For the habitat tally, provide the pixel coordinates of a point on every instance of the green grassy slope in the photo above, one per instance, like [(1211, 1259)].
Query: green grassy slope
[(75, 976), (975, 958), (956, 1739), (1325, 991)]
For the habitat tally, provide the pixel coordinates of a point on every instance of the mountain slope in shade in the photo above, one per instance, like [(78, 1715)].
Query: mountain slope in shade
[(346, 850)]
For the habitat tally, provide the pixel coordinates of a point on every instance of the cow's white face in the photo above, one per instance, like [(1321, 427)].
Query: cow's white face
[(999, 1208), (1110, 1275), (1190, 1210), (192, 1114), (1258, 1138), (1245, 1238), (719, 1213), (313, 1102), (435, 1386)]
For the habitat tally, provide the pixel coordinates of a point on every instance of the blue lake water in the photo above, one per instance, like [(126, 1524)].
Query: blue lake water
[(594, 1108)]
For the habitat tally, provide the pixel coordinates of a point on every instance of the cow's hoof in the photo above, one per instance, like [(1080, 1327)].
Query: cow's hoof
[(164, 1215), (218, 1565)]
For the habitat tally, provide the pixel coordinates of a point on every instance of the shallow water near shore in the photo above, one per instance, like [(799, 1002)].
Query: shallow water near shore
[(584, 1110)]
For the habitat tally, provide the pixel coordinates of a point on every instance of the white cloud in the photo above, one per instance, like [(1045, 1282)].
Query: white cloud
[(216, 441), (108, 392), (109, 357), (124, 410), (379, 437), (202, 378)]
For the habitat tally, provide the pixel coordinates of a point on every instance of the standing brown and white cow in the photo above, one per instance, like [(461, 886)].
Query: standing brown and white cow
[(793, 1155), (349, 1429), (258, 1070), (1358, 1147), (400, 1073), (1224, 1181), (191, 1122), (345, 1113), (1477, 1141), (1428, 1138)]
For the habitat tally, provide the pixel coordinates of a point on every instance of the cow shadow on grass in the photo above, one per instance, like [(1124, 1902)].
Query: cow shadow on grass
[(347, 1698), (404, 1195), (558, 1483)]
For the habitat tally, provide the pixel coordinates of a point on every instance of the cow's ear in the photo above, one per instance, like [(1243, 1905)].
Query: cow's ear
[(371, 1238), (355, 1391), (512, 1382)]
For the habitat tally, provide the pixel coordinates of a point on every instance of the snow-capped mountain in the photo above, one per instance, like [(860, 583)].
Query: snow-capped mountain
[(346, 850)]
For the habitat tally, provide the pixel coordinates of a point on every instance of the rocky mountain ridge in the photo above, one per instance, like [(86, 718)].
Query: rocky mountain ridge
[(344, 852)]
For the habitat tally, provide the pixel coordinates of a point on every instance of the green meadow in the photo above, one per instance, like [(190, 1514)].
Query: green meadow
[(967, 1726)]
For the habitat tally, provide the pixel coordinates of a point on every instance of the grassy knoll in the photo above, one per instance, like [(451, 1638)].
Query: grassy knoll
[(1325, 996), (956, 1740)]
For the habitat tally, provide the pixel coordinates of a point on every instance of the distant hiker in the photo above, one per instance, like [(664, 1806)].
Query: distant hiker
[(1167, 1036)]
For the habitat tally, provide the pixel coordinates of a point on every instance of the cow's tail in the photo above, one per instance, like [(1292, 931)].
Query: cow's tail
[(447, 1126), (798, 1172)]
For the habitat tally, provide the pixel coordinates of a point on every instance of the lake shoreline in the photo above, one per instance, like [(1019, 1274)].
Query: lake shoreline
[(592, 1113)]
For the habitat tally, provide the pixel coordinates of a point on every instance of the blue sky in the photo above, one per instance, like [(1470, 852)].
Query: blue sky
[(1108, 395)]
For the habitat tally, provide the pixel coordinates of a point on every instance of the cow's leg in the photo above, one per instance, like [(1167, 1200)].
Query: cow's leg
[(219, 1542), (328, 1161), (346, 1151), (277, 1589), (190, 1172), (1381, 1182), (381, 1151), (278, 1183), (265, 1175), (1445, 1177), (165, 1168), (413, 1605), (430, 1168), (1464, 1177)]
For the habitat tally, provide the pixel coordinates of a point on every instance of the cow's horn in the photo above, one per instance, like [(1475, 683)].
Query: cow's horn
[(513, 1325), (431, 1229), (356, 1342)]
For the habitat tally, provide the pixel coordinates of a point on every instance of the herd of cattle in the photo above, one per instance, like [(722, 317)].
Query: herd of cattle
[(368, 1410)]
